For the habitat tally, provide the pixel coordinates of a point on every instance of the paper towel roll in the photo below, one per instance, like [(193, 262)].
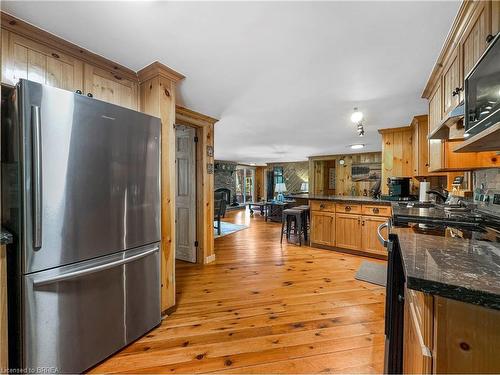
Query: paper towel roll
[(422, 195)]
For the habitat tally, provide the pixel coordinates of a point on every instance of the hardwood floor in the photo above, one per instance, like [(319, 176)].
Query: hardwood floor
[(264, 308)]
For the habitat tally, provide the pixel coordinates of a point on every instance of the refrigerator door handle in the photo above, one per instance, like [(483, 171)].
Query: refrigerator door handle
[(36, 137), (87, 271)]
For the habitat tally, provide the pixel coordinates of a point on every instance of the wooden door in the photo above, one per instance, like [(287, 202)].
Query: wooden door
[(348, 231), (109, 87), (323, 228), (369, 237), (185, 199), (474, 40), (436, 155), (24, 58), (452, 83)]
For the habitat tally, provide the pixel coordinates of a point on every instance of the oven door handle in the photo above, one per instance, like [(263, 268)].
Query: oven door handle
[(381, 238)]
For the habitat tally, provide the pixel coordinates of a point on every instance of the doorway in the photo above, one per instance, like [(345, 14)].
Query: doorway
[(185, 193), (245, 185)]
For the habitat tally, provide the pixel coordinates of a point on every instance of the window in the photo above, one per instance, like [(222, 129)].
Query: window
[(278, 175)]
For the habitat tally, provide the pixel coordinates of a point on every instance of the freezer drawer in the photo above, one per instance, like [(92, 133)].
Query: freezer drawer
[(77, 315)]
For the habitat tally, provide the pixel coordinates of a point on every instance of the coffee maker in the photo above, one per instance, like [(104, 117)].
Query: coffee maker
[(399, 187)]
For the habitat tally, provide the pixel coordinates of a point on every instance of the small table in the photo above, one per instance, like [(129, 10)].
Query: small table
[(261, 205), (275, 209)]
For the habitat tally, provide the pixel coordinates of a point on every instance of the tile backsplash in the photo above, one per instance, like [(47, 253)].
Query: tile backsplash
[(489, 177)]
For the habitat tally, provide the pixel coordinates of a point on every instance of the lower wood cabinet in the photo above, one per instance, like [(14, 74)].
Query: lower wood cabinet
[(369, 237), (323, 228), (332, 226), (348, 231)]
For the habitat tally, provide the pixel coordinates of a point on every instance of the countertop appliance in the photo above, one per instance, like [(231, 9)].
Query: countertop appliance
[(399, 186), (81, 193), (482, 91)]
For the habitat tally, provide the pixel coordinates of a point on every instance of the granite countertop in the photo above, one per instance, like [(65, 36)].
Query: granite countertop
[(460, 269), (5, 237), (342, 198)]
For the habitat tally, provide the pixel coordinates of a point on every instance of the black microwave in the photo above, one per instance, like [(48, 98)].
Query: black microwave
[(482, 91)]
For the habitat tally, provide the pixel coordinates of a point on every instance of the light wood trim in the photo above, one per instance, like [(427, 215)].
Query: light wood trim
[(205, 181), (157, 98), (376, 210), (27, 30), (3, 310), (348, 208), (322, 206), (158, 69), (394, 130)]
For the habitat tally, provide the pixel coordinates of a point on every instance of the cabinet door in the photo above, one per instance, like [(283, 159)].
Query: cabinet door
[(474, 40), (348, 231), (323, 228), (451, 82), (106, 86), (416, 357), (369, 237), (436, 155), (24, 58)]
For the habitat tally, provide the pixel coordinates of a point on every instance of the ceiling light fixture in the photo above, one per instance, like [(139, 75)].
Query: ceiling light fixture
[(357, 116), (357, 146)]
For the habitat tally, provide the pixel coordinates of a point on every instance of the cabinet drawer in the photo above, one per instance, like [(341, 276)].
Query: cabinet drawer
[(325, 206), (348, 208), (376, 210)]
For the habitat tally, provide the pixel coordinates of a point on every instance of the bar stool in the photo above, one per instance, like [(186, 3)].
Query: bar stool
[(294, 215), (306, 219)]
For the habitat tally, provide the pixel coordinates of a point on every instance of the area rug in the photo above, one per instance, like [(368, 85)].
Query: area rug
[(375, 273), (228, 228)]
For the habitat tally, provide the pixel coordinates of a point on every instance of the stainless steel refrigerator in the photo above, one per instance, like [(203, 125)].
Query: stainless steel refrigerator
[(81, 192)]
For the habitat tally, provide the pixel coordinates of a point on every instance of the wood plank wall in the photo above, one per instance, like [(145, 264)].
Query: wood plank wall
[(343, 173)]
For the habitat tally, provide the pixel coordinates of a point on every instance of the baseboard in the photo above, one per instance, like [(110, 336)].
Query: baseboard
[(210, 259), (349, 251)]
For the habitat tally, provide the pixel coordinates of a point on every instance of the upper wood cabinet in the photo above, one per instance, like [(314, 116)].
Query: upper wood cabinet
[(473, 42), (24, 58), (112, 88), (452, 86)]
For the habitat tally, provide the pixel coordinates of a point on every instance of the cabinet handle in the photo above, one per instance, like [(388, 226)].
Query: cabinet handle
[(55, 55), (79, 92), (90, 95), (348, 208), (456, 91), (489, 38), (376, 210), (425, 350), (118, 78), (381, 238), (363, 223)]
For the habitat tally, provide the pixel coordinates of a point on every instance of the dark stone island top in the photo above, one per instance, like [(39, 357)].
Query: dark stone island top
[(341, 198), (402, 213), (5, 237), (460, 269)]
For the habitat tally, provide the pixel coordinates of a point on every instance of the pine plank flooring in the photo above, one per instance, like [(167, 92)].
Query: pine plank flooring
[(264, 308)]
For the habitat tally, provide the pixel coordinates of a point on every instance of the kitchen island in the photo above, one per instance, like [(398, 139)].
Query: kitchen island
[(448, 294), (348, 223)]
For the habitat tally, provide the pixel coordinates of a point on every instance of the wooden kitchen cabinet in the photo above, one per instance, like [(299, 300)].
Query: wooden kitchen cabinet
[(417, 356), (452, 84), (113, 88), (25, 58), (323, 228), (369, 238), (473, 42), (348, 231)]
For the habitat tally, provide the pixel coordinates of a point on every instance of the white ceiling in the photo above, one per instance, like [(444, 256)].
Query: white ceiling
[(282, 77)]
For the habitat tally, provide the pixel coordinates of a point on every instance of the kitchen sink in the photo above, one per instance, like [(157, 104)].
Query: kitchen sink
[(417, 204)]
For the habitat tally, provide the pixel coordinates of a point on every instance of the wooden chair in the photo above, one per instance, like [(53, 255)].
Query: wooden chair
[(219, 210)]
